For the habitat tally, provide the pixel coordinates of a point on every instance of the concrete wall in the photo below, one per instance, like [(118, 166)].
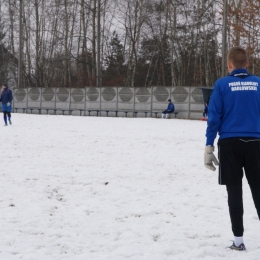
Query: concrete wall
[(188, 101)]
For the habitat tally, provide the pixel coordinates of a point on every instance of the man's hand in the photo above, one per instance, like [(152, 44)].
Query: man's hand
[(209, 158), (8, 104)]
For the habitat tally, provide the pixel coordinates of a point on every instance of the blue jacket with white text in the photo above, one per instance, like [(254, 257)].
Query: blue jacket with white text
[(234, 107)]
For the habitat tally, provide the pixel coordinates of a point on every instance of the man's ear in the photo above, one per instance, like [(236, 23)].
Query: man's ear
[(247, 64), (229, 66)]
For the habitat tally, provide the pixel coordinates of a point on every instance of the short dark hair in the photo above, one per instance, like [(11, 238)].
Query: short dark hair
[(238, 57), (169, 100)]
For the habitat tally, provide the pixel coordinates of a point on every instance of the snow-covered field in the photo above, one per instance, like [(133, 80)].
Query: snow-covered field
[(113, 188)]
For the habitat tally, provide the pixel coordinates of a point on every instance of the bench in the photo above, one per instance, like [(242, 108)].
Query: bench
[(116, 112), (49, 109), (89, 111), (124, 111), (62, 111), (32, 108), (16, 109), (107, 111), (175, 113), (156, 113), (67, 110), (80, 111)]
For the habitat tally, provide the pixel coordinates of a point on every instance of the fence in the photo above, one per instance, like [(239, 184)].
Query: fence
[(188, 101)]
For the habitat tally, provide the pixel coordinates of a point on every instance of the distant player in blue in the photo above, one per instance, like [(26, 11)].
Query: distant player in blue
[(6, 98), (170, 109), (234, 113), (205, 111)]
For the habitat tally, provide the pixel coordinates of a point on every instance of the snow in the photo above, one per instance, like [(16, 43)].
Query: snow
[(113, 188)]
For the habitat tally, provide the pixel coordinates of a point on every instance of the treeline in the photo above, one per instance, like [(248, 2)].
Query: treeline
[(143, 42)]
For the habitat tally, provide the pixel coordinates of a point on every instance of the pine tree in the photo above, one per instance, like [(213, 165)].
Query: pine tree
[(115, 69)]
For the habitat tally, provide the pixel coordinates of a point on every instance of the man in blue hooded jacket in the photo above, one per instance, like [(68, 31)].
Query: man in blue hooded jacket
[(234, 113), (170, 109), (6, 98)]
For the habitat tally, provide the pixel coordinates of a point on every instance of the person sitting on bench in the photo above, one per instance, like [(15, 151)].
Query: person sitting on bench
[(170, 109)]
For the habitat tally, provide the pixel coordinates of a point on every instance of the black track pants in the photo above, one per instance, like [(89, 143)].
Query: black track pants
[(235, 203)]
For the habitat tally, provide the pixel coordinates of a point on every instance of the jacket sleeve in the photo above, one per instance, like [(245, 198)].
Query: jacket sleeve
[(215, 114), (10, 96)]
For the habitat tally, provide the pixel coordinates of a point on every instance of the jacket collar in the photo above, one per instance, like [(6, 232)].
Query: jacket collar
[(239, 72)]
